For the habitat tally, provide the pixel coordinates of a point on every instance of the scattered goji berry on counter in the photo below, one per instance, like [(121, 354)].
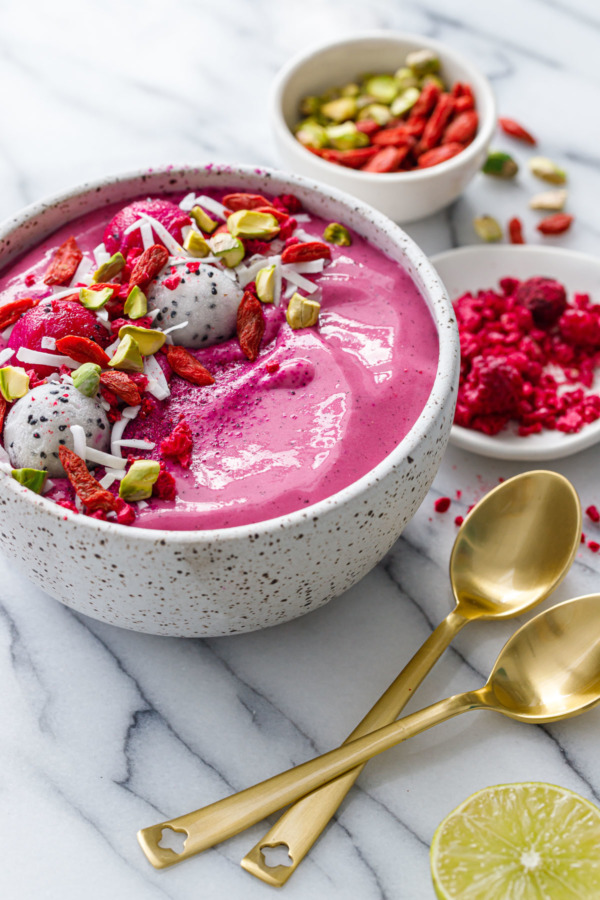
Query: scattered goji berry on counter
[(512, 128), (556, 224), (515, 231)]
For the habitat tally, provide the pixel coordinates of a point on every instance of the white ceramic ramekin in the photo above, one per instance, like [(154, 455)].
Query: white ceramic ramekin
[(207, 583), (403, 196)]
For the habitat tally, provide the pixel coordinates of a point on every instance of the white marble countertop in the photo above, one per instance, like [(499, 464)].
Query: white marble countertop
[(104, 731)]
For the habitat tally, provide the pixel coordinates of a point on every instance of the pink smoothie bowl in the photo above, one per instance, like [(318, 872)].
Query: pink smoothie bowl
[(225, 581)]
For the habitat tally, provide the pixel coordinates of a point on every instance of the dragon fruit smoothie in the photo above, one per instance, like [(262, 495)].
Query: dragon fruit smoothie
[(317, 408)]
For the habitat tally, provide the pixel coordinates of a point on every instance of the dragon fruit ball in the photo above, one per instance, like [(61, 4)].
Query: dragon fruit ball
[(168, 214), (38, 424), (545, 298), (57, 319), (206, 298)]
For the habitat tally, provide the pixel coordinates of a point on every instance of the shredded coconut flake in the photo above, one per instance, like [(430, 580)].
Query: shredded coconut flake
[(48, 343), (157, 383), (83, 269), (188, 202), (105, 459), (130, 412), (7, 332), (312, 267), (212, 206), (115, 436), (101, 255), (79, 445), (147, 236), (137, 224), (6, 354), (176, 327), (38, 358), (167, 239), (302, 217), (110, 350), (299, 280), (136, 444)]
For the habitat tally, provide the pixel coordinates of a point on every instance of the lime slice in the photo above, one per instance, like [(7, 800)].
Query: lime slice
[(529, 841)]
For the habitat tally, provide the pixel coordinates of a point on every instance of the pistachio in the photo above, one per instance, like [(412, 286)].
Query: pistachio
[(196, 245), (265, 284), (350, 90), (423, 62), (341, 109), (149, 340), (311, 134), (500, 165), (310, 106), (363, 100), (302, 312), (229, 249), (87, 378), (247, 223), (405, 78), (382, 88), (405, 101), (487, 228), (433, 79), (553, 200), (337, 234), (544, 168), (137, 483), (203, 220), (14, 382), (377, 112), (136, 304), (346, 136), (128, 356), (34, 479), (110, 268), (94, 299)]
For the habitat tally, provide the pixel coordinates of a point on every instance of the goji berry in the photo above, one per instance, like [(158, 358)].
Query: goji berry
[(187, 366), (3, 406), (251, 321), (437, 123), (556, 224), (438, 155), (512, 128), (427, 100), (82, 350), (64, 263), (515, 231), (236, 202), (272, 211), (393, 137), (462, 104), (368, 126), (14, 309), (305, 252), (462, 128), (179, 444), (387, 159), (148, 265), (121, 384), (89, 491), (352, 159)]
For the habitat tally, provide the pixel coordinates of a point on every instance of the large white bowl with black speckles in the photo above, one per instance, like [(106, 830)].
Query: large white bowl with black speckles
[(208, 583)]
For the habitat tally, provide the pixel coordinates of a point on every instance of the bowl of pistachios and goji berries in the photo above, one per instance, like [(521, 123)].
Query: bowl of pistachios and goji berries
[(401, 121)]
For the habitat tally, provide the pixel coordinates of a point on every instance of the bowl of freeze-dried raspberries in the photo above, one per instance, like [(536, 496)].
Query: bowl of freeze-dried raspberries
[(529, 324)]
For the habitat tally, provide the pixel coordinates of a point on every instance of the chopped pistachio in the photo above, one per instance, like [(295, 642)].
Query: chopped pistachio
[(229, 249), (302, 312), (382, 88), (350, 90), (149, 340), (363, 100), (34, 479), (544, 168), (311, 134), (196, 245), (247, 223), (377, 112), (337, 234), (137, 483), (136, 304), (310, 106), (87, 378), (487, 228), (110, 268), (94, 299), (405, 78), (346, 136), (341, 109), (423, 62), (203, 220), (128, 356), (265, 284), (433, 79), (552, 200), (14, 382), (500, 165), (405, 101)]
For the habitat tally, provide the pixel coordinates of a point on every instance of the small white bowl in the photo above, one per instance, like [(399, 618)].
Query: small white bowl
[(403, 196), (477, 268)]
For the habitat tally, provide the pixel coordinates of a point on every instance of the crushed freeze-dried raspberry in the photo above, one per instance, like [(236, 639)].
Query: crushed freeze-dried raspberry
[(442, 504), (178, 445), (545, 298), (125, 512), (164, 487), (594, 546), (583, 537), (593, 514)]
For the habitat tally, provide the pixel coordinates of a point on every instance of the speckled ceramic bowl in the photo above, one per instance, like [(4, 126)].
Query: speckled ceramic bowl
[(208, 583)]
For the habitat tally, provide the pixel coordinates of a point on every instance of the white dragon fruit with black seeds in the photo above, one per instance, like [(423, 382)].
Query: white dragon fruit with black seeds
[(38, 424), (206, 299)]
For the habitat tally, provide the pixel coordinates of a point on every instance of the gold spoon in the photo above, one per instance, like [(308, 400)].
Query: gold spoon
[(512, 550), (516, 524)]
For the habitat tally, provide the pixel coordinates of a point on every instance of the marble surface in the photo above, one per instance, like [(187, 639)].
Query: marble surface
[(104, 731)]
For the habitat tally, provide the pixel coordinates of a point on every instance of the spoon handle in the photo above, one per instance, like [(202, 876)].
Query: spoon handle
[(221, 820), (300, 826)]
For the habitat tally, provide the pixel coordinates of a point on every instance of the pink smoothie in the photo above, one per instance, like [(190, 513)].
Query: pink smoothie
[(269, 441)]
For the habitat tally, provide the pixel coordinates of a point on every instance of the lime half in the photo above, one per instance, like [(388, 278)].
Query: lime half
[(528, 841)]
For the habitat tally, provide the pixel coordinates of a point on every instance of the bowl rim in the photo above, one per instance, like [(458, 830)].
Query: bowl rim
[(487, 114), (436, 297)]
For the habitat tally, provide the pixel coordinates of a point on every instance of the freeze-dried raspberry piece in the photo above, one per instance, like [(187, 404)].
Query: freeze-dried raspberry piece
[(164, 487), (493, 386), (578, 326), (545, 298), (178, 445)]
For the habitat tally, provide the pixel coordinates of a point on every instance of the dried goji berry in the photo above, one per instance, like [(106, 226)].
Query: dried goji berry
[(272, 211), (179, 444), (3, 406), (388, 159), (121, 384), (437, 123), (509, 126), (187, 366), (148, 265), (439, 155), (14, 309), (251, 321), (236, 202), (64, 263), (305, 252), (368, 126), (515, 231), (89, 491), (462, 104), (427, 100), (393, 137), (82, 350), (462, 128), (352, 159), (556, 224)]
